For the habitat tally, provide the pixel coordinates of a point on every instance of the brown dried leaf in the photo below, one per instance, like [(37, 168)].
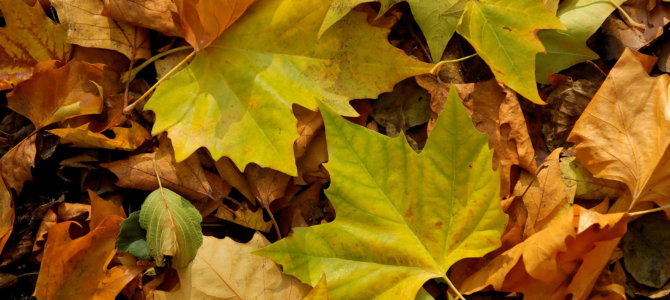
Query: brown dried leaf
[(6, 214), (89, 28), (266, 184), (620, 35), (16, 165), (186, 178), (232, 175), (246, 216), (624, 132), (565, 104), (159, 15), (28, 38)]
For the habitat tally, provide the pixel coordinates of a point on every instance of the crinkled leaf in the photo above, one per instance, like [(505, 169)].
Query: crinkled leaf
[(235, 98), (437, 19), (132, 238), (402, 217), (124, 138), (566, 48), (173, 227), (203, 21), (504, 33)]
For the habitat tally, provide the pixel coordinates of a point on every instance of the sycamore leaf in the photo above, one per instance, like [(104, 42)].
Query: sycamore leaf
[(565, 258), (173, 227), (225, 269), (320, 290), (402, 217), (624, 135), (16, 165), (437, 19), (646, 249), (158, 15), (6, 214), (235, 97), (566, 48), (504, 34), (186, 178), (124, 138), (89, 28), (132, 238), (28, 38), (55, 94), (77, 268), (203, 21)]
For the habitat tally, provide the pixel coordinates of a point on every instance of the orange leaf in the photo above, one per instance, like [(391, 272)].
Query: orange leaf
[(16, 165), (101, 209), (6, 214), (29, 37), (565, 258), (204, 20), (77, 269), (624, 133), (56, 94)]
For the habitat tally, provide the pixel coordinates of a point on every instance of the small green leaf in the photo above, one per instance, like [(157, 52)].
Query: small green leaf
[(504, 33), (566, 48), (173, 227), (402, 217), (131, 238)]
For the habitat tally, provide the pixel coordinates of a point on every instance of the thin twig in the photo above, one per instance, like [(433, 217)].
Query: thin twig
[(648, 211)]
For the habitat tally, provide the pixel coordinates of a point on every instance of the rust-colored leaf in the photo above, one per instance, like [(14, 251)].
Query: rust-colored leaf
[(16, 165), (6, 214), (204, 20), (78, 268), (159, 15), (266, 184)]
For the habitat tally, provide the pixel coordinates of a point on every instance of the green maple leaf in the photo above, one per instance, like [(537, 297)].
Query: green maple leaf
[(402, 217), (567, 48), (503, 33), (235, 97), (437, 19)]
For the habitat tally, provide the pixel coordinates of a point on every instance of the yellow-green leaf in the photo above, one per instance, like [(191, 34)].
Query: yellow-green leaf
[(402, 217), (437, 19), (504, 33), (567, 48), (173, 227), (235, 98)]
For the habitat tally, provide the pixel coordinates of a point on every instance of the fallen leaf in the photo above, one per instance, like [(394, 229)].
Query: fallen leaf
[(563, 259), (390, 236), (545, 195), (232, 175), (132, 237), (28, 37), (6, 214), (266, 184), (101, 209), (266, 70), (127, 139), (566, 104), (78, 269), (203, 21), (173, 227), (565, 48), (159, 15), (504, 34), (58, 213), (645, 247), (320, 290), (246, 216), (225, 269), (408, 105), (89, 28), (437, 20), (620, 35), (587, 186), (16, 165), (56, 94), (310, 164), (623, 134), (187, 178)]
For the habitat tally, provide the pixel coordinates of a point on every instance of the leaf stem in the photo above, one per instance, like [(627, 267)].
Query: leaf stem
[(130, 107), (630, 20), (453, 288), (130, 75), (648, 211), (160, 185), (272, 217), (439, 65)]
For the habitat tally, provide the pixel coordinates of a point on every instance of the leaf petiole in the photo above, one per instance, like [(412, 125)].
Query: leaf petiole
[(626, 16), (439, 65), (453, 288), (130, 75)]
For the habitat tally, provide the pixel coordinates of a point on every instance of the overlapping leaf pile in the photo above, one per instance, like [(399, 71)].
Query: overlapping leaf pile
[(241, 149)]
